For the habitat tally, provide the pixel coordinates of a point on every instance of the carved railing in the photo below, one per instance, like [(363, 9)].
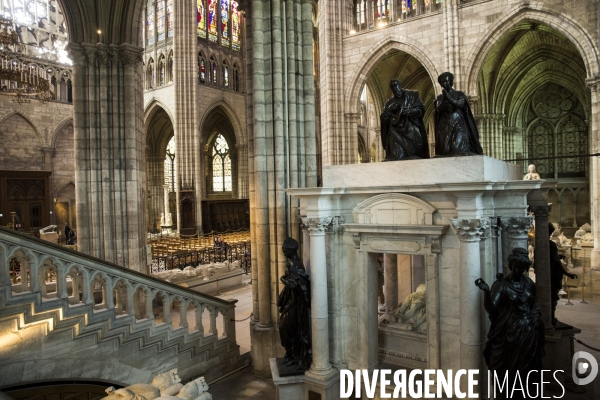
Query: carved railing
[(41, 281)]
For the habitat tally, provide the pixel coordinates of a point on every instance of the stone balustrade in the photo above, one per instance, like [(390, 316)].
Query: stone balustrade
[(42, 283)]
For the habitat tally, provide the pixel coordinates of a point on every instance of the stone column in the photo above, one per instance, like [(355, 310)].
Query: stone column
[(110, 152), (470, 232), (594, 86), (390, 288), (166, 199), (318, 291), (542, 262), (514, 234)]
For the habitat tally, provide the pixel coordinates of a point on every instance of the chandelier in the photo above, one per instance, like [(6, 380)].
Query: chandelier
[(20, 78)]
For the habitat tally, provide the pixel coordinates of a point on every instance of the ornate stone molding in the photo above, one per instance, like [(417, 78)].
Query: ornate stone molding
[(317, 225), (593, 84), (518, 226), (356, 239), (470, 230)]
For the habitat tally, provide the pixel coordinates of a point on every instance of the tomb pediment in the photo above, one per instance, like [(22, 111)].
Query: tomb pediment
[(394, 209)]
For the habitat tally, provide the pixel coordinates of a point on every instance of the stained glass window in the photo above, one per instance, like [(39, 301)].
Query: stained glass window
[(171, 67), (221, 166), (235, 26), (214, 73), (212, 20), (41, 27), (170, 12), (161, 72), (226, 76), (201, 18), (201, 69), (150, 74), (170, 165), (361, 11), (383, 8), (225, 22), (150, 23), (160, 19)]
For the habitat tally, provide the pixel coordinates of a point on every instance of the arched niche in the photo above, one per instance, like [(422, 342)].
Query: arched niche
[(395, 223)]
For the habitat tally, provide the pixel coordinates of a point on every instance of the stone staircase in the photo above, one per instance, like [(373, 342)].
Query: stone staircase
[(68, 316)]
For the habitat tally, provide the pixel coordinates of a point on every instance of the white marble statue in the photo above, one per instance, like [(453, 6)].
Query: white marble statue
[(162, 219), (532, 175), (164, 386), (585, 228), (195, 390), (169, 220), (562, 243), (411, 315)]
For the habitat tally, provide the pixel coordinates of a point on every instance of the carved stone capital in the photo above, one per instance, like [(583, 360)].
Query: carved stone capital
[(541, 211), (516, 226), (436, 244), (470, 230), (356, 239), (593, 84), (317, 225), (77, 54)]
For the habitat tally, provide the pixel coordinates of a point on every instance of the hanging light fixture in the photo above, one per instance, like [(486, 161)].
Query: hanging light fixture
[(17, 77)]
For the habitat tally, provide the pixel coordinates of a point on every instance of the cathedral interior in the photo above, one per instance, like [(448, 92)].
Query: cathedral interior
[(171, 148)]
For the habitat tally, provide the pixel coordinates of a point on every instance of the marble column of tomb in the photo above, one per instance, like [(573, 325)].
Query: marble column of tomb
[(445, 209)]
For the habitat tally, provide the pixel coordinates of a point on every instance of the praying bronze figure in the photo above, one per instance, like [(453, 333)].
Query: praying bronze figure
[(455, 131), (403, 134), (294, 308)]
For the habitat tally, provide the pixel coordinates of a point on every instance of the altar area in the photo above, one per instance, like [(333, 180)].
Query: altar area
[(459, 216)]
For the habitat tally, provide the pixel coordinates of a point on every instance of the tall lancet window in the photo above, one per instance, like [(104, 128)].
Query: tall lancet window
[(201, 18), (160, 19), (221, 163), (235, 26), (170, 165), (212, 19), (225, 23), (170, 12), (150, 23)]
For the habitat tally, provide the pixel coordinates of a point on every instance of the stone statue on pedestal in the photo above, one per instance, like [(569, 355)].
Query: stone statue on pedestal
[(516, 337), (162, 219), (403, 134), (294, 308), (557, 271), (455, 131), (532, 174)]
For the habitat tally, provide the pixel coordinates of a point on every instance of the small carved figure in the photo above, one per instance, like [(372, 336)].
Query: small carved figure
[(294, 306), (455, 131), (403, 134), (532, 174), (557, 270), (516, 337), (413, 311)]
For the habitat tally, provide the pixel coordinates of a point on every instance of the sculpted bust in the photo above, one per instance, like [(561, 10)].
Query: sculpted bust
[(532, 175)]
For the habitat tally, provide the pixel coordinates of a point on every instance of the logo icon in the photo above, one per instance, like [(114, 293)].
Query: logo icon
[(584, 363)]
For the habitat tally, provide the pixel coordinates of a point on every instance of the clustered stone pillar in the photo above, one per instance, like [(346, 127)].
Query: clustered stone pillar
[(282, 150), (542, 263), (110, 152), (515, 231), (594, 86), (470, 232), (318, 292)]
